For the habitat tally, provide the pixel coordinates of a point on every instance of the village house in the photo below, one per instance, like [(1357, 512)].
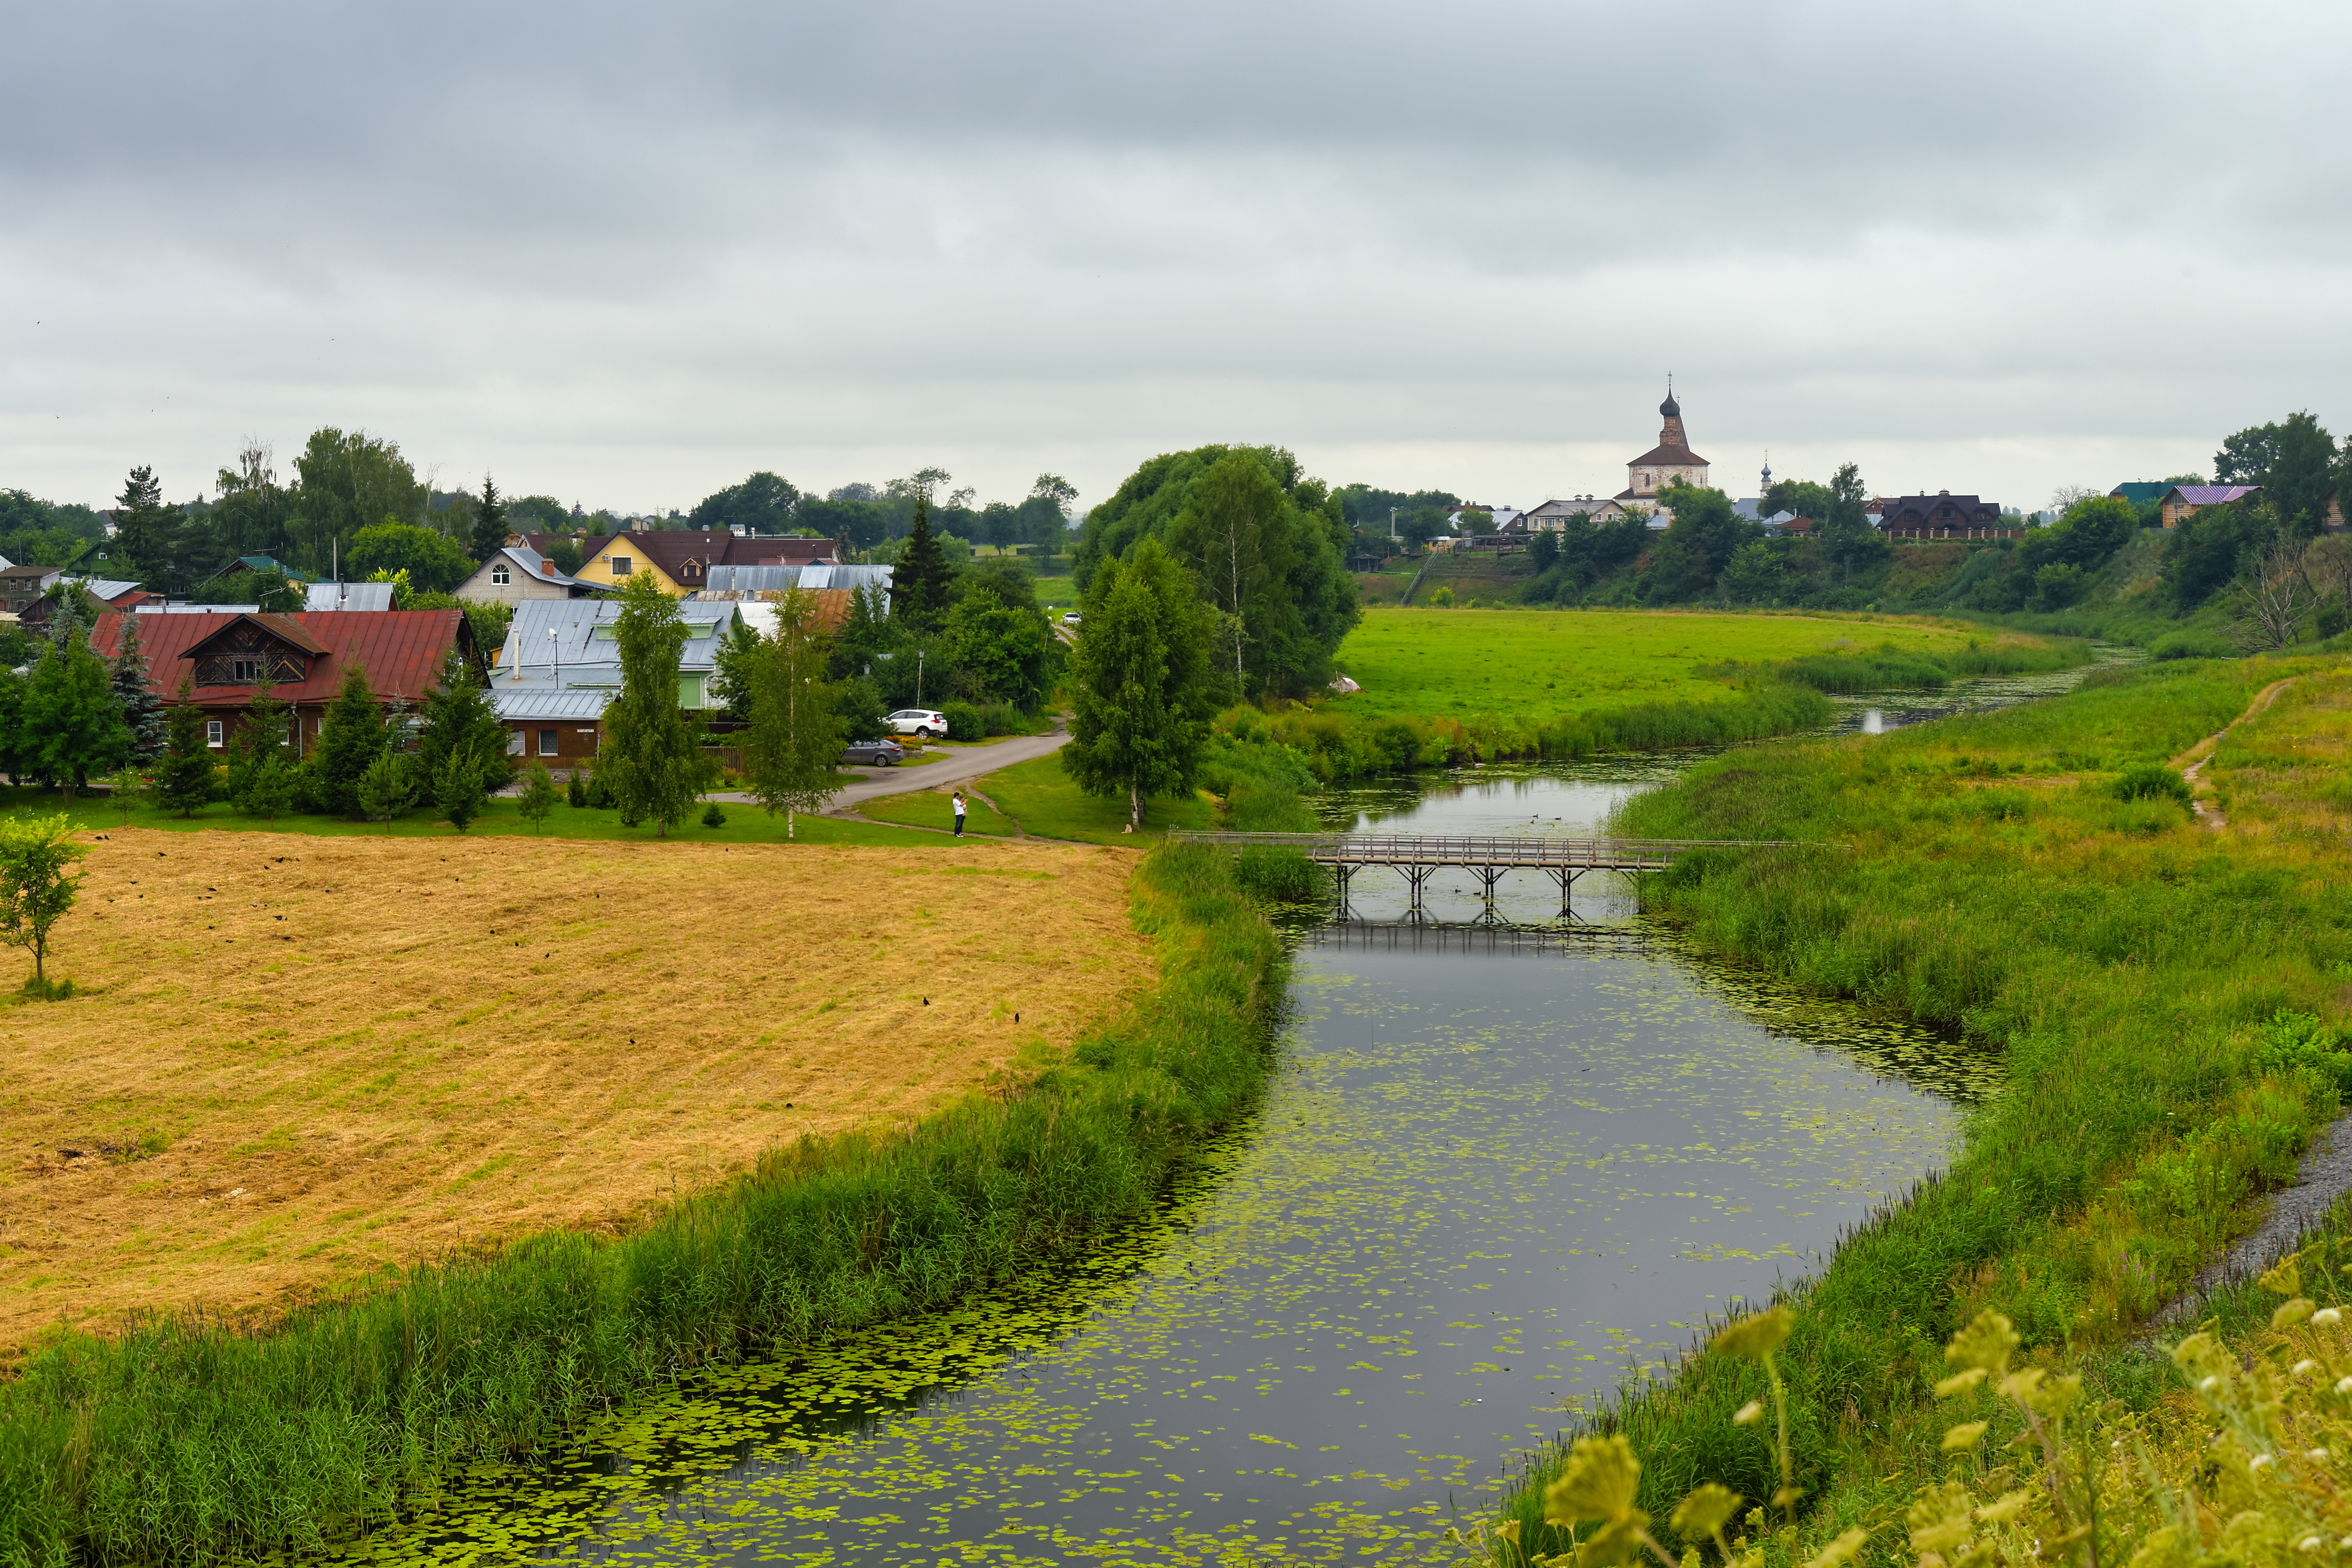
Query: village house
[(561, 668), (680, 559), (1942, 516), (2178, 504), (517, 572), (220, 654), (1553, 515), (21, 587)]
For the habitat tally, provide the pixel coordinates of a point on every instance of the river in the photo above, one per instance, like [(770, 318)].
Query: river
[(1501, 1168)]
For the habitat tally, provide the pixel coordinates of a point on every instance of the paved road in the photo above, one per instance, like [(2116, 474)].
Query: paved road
[(960, 762)]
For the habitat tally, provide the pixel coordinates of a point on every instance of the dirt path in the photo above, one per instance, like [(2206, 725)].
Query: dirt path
[(2192, 762)]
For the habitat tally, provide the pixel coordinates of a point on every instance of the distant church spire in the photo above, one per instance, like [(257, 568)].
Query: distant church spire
[(1768, 473)]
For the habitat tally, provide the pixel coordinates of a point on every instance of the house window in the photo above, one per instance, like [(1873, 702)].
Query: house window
[(547, 743), (212, 733), (244, 672), (620, 565), (498, 573), (514, 742)]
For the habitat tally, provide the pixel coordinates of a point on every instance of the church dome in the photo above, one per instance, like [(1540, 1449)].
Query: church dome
[(1670, 408)]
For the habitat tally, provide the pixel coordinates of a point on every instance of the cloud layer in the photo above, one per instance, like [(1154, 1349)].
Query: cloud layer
[(624, 255)]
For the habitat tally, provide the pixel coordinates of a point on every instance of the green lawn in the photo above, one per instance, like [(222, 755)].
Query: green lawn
[(1048, 806), (746, 824), (933, 808), (1541, 664)]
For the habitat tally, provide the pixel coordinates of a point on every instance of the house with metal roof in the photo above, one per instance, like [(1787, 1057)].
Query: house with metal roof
[(515, 573), (220, 655), (2140, 492), (2181, 503), (559, 667)]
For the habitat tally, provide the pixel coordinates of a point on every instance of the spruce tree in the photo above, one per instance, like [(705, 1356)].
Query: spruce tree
[(183, 779), (652, 760), (258, 776), (141, 710), (457, 788), (920, 577), (146, 543), (350, 737), (71, 722), (489, 521), (459, 716)]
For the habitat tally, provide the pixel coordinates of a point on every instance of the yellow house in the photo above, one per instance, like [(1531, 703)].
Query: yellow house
[(680, 559)]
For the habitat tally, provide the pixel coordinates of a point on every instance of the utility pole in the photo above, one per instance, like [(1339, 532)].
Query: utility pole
[(1393, 533)]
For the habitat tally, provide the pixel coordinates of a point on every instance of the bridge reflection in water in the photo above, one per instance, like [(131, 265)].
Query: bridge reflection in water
[(1489, 858)]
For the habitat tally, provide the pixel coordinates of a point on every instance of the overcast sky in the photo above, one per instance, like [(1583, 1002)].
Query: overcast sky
[(625, 256)]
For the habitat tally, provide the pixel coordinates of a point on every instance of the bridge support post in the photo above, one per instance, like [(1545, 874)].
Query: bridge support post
[(1487, 877), (1566, 876), (1416, 878), (1341, 875)]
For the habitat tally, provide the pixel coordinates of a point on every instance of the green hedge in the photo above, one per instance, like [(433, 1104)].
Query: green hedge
[(190, 1440)]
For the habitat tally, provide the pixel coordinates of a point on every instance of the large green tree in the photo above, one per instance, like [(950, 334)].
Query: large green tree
[(652, 758), (763, 503), (72, 727), (350, 480), (1269, 548), (1144, 686), (146, 544), (2295, 462), (792, 745), (435, 563), (1705, 533)]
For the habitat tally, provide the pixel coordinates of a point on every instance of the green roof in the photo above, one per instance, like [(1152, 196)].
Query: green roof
[(2139, 492)]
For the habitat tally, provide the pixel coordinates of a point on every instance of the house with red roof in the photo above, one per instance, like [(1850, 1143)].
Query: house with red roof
[(305, 655)]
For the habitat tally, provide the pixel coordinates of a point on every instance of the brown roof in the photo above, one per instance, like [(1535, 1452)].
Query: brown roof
[(589, 543), (401, 650), (1669, 457), (687, 555)]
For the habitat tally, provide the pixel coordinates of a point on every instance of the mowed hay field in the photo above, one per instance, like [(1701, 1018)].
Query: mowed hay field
[(1545, 664), (311, 1060)]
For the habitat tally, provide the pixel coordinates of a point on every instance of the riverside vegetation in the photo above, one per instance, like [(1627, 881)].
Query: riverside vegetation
[(191, 1438), (2167, 999)]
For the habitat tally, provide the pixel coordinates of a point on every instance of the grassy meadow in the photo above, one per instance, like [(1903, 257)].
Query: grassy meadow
[(1540, 665), (2166, 994), (299, 1061), (1042, 798)]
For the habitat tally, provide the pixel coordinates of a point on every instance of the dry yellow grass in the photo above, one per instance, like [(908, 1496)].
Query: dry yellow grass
[(361, 1054)]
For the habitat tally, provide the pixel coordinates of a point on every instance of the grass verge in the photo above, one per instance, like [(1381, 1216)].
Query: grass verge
[(1048, 803), (935, 808), (188, 1440), (2157, 989)]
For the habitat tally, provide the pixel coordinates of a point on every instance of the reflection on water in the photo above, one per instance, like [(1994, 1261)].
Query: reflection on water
[(1494, 1171)]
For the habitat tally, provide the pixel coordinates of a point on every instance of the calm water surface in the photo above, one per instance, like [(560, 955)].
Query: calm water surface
[(1497, 1170)]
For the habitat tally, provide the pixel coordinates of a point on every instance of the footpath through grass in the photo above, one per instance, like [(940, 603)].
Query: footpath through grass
[(187, 1441), (2169, 999)]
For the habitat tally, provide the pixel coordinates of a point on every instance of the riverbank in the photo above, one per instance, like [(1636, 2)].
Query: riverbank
[(2165, 995), (194, 1438)]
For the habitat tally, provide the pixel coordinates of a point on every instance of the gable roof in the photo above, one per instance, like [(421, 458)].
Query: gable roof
[(545, 543), (2139, 492), (583, 637), (2211, 495), (1669, 458), (401, 650), (261, 564), (538, 568), (285, 628)]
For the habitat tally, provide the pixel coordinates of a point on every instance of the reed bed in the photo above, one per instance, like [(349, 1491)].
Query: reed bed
[(188, 1440), (2157, 989)]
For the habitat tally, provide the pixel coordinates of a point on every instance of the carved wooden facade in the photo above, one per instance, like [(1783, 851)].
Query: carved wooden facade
[(241, 652)]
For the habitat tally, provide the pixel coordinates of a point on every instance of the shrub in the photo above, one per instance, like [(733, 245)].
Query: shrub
[(2191, 644), (2152, 780), (964, 722), (576, 793), (712, 817)]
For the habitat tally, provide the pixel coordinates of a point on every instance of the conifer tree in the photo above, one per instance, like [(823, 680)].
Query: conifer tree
[(350, 737), (489, 521), (146, 543), (71, 724), (141, 710), (652, 760), (259, 782), (538, 798), (920, 579), (183, 779), (459, 716)]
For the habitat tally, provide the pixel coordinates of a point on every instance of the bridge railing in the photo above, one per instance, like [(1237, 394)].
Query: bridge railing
[(1472, 849)]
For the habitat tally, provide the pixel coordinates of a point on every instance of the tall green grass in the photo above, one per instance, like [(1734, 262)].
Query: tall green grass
[(189, 1440), (2132, 968), (1892, 668)]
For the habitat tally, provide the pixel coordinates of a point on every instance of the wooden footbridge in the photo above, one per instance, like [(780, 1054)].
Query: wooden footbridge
[(1419, 857)]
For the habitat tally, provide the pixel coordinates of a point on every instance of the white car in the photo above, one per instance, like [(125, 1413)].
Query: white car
[(924, 722), (1071, 619)]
